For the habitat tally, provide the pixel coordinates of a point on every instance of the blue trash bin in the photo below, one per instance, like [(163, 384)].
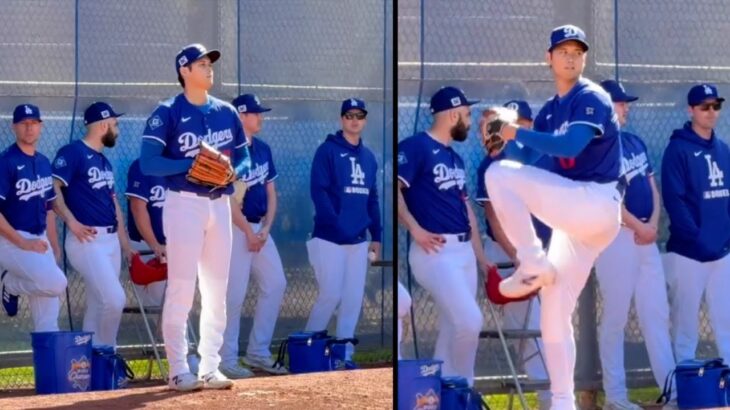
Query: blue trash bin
[(308, 352), (419, 384), (62, 361)]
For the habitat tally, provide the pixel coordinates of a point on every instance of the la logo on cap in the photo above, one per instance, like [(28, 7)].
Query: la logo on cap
[(28, 110), (256, 98), (708, 90), (353, 102)]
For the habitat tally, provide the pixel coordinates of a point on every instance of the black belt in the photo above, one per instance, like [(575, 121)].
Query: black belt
[(254, 219), (463, 237), (107, 229), (210, 195)]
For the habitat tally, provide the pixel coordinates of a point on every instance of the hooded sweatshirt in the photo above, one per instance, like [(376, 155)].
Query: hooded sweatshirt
[(344, 191), (696, 195)]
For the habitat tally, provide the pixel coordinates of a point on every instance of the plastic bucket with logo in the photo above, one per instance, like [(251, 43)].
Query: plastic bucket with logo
[(419, 384), (62, 361), (455, 393)]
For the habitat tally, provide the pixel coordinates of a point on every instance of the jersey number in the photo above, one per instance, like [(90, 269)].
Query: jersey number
[(358, 177), (567, 163), (715, 175)]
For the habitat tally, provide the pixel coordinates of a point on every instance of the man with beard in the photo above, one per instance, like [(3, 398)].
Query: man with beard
[(96, 238), (445, 248), (344, 190)]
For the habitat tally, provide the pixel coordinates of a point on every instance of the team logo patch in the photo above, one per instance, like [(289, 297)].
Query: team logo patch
[(708, 89), (79, 373), (589, 110), (256, 98), (60, 162), (242, 108), (28, 110), (182, 60), (402, 158), (513, 106), (455, 101), (105, 114), (155, 122)]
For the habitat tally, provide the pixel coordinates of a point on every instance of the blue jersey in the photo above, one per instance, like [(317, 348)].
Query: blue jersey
[(26, 187), (510, 152), (261, 173), (435, 178), (180, 126), (636, 169), (344, 190), (151, 190), (88, 182), (586, 103), (697, 195)]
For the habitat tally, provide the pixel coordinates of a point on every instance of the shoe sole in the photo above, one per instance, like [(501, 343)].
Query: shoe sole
[(263, 368), (510, 289), (221, 386), (197, 386)]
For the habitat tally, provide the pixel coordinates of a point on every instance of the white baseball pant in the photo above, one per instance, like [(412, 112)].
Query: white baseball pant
[(198, 234), (37, 276), (99, 262), (625, 269), (688, 280), (584, 217), (340, 271), (266, 267), (404, 306), (450, 276), (515, 316)]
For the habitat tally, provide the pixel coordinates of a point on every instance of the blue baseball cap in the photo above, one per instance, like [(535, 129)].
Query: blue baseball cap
[(447, 98), (249, 104), (701, 92), (194, 52), (352, 103), (26, 111), (617, 91), (99, 111), (566, 33), (522, 107)]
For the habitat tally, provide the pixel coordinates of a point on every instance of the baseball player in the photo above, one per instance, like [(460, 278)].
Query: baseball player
[(196, 220), (498, 248), (697, 202), (254, 251), (404, 306), (631, 265), (432, 205), (96, 238), (345, 194), (26, 251), (579, 200)]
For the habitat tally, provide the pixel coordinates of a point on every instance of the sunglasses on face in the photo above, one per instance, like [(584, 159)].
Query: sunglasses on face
[(706, 107), (354, 115)]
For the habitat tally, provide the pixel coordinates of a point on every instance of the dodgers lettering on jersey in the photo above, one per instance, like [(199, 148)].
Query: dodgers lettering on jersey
[(26, 187), (151, 190), (586, 103), (636, 169), (511, 151), (180, 126), (344, 189), (88, 181), (696, 195), (261, 173), (435, 178)]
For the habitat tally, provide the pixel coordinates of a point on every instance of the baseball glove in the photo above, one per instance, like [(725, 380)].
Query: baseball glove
[(493, 121), (211, 168)]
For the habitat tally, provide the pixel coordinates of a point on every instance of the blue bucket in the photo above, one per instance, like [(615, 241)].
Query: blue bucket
[(419, 384), (308, 352), (62, 361), (107, 369), (455, 393)]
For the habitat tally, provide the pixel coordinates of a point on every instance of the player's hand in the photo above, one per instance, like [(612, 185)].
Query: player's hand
[(485, 265), (160, 252), (263, 235), (82, 232), (645, 234), (374, 251), (34, 245), (253, 242), (128, 254), (430, 242)]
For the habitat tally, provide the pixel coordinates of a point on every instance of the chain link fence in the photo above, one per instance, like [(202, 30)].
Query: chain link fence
[(301, 58), (495, 51)]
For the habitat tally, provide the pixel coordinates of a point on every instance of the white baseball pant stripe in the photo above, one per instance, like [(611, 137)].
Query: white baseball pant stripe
[(198, 235), (151, 294), (585, 219), (688, 280), (625, 269), (515, 316), (340, 271), (450, 276), (268, 271), (99, 262), (37, 276), (404, 307)]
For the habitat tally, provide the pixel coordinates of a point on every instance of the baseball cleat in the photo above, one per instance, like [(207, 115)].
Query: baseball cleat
[(266, 364), (185, 382), (216, 380), (523, 283), (235, 371), (10, 301)]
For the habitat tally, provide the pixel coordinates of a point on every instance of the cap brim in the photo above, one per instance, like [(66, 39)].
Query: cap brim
[(471, 102), (583, 43), (118, 114), (259, 111), (629, 98), (214, 55)]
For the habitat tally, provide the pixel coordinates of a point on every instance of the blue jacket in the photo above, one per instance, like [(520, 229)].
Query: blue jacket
[(344, 190), (695, 182)]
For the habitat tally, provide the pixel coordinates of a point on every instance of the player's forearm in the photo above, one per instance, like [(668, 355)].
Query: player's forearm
[(375, 227), (567, 145), (629, 220), (59, 205), (500, 236), (121, 229), (143, 223), (476, 239), (656, 198), (238, 219), (404, 215), (151, 161), (52, 232), (8, 232), (242, 161), (271, 204)]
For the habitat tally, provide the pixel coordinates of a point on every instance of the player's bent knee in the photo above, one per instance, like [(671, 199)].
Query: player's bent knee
[(56, 283)]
